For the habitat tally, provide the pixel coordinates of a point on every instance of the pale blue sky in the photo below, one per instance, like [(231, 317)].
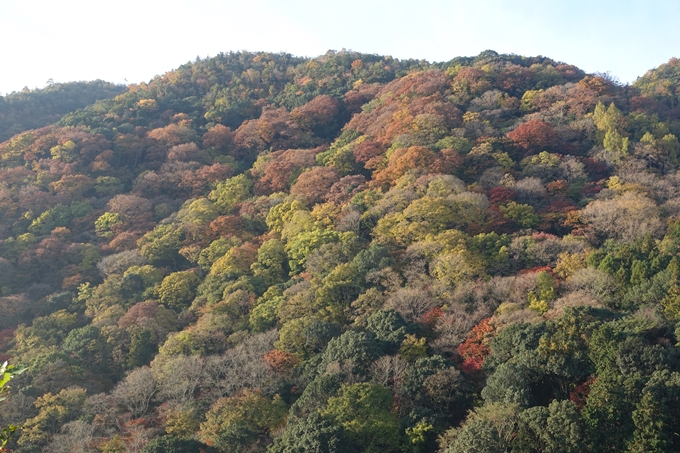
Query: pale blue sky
[(136, 39)]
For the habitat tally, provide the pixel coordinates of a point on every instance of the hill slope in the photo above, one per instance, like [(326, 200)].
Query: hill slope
[(264, 252), (32, 109)]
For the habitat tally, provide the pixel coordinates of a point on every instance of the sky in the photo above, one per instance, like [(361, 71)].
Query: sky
[(131, 41)]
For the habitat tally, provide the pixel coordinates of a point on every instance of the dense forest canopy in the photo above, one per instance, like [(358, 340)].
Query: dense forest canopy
[(260, 252), (33, 109)]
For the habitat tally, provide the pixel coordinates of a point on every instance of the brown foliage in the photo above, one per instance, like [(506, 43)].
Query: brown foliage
[(500, 195), (200, 180), (225, 226), (185, 152), (320, 112), (219, 137), (514, 77), (314, 184), (446, 162), (128, 206), (343, 190), (123, 241), (367, 150), (277, 172), (274, 129), (146, 309), (172, 134), (359, 96), (73, 186)]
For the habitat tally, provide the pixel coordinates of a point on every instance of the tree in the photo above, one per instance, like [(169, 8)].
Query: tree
[(388, 326), (53, 412), (161, 245), (231, 192), (624, 218), (534, 136), (363, 411), (353, 351), (318, 115), (169, 444), (239, 422), (177, 290), (136, 391), (314, 184), (313, 434)]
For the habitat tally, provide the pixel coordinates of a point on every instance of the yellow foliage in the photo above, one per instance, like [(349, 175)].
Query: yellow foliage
[(569, 263), (326, 214), (537, 304), (147, 104)]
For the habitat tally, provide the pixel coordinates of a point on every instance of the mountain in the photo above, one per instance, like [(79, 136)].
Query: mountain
[(37, 108), (262, 252)]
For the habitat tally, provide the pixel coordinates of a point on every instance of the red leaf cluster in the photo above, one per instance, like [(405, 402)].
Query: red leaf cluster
[(474, 349)]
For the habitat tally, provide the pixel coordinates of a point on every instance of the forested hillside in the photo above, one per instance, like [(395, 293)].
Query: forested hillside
[(32, 109), (352, 253)]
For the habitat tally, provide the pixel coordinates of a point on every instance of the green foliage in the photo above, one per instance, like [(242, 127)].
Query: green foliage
[(31, 109), (169, 444), (272, 263), (313, 434), (229, 193), (105, 222), (363, 411), (388, 326), (178, 289), (355, 350), (299, 248), (498, 203), (521, 213), (161, 245)]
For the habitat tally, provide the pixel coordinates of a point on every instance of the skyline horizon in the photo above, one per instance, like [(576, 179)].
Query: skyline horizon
[(125, 82), (77, 40)]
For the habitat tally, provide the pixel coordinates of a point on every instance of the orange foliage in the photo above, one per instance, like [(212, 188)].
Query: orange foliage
[(274, 129), (536, 270), (596, 83), (432, 316), (280, 361), (559, 187), (401, 101), (402, 160), (224, 226)]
